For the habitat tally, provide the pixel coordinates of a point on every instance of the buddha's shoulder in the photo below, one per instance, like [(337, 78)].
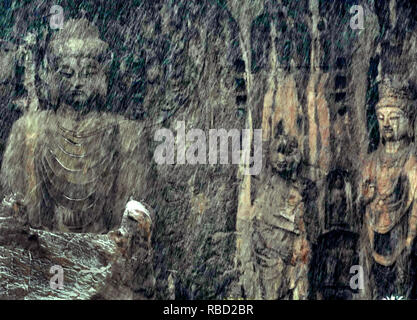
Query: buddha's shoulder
[(127, 126), (33, 121), (131, 132)]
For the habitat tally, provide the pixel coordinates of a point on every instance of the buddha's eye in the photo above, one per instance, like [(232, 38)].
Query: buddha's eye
[(67, 73), (394, 118), (90, 69), (90, 72)]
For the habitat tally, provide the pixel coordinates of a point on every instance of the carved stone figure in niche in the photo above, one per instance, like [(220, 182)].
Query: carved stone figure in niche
[(281, 249), (338, 200), (389, 183), (75, 165), (9, 112), (332, 261)]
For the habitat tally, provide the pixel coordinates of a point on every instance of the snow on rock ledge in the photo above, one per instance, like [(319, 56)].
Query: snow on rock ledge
[(117, 265)]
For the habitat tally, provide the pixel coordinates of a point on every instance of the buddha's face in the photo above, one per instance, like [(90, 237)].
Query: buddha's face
[(7, 58), (81, 80), (393, 123)]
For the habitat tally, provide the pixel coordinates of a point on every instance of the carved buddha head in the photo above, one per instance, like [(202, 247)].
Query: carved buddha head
[(395, 112), (78, 63)]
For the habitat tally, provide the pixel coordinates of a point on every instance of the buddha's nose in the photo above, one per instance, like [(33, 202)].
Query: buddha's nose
[(78, 83)]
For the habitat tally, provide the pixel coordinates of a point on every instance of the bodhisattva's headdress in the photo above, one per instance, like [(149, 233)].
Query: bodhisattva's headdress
[(394, 94), (78, 38)]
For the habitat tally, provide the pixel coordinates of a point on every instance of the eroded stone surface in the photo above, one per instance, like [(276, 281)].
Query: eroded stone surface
[(117, 265), (243, 64)]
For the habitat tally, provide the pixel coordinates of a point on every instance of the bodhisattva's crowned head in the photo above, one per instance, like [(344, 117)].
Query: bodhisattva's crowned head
[(284, 155), (395, 111), (78, 62)]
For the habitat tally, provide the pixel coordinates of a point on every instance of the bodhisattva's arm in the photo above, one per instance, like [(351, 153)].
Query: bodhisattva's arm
[(412, 226)]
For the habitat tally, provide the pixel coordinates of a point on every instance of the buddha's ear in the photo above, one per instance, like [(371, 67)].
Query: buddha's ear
[(412, 126), (107, 62), (411, 129), (46, 72)]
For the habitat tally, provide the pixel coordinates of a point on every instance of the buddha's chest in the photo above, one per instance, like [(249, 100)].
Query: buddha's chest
[(76, 172)]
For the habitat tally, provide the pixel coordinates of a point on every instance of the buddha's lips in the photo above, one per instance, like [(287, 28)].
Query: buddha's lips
[(78, 93)]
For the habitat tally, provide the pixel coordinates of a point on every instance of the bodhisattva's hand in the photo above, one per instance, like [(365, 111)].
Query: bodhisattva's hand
[(408, 242), (368, 191)]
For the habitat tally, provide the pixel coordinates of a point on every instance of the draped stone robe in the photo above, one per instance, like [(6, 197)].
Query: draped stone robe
[(75, 178), (389, 183), (9, 113), (280, 246)]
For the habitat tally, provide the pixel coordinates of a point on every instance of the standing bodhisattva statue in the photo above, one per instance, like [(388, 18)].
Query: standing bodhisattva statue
[(75, 165), (388, 195)]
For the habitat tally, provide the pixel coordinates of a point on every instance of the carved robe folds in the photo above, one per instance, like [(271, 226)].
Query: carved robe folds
[(280, 244), (75, 181), (388, 193)]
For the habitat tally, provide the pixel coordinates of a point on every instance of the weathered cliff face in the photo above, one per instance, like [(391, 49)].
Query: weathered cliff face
[(37, 264), (295, 69)]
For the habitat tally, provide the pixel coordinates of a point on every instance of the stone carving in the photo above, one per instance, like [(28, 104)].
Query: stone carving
[(8, 63), (339, 205), (78, 165), (331, 277), (115, 265), (74, 167), (389, 181), (296, 61), (9, 112), (280, 245)]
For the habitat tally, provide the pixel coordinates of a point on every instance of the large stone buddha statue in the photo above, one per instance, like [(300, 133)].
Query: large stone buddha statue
[(75, 165)]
